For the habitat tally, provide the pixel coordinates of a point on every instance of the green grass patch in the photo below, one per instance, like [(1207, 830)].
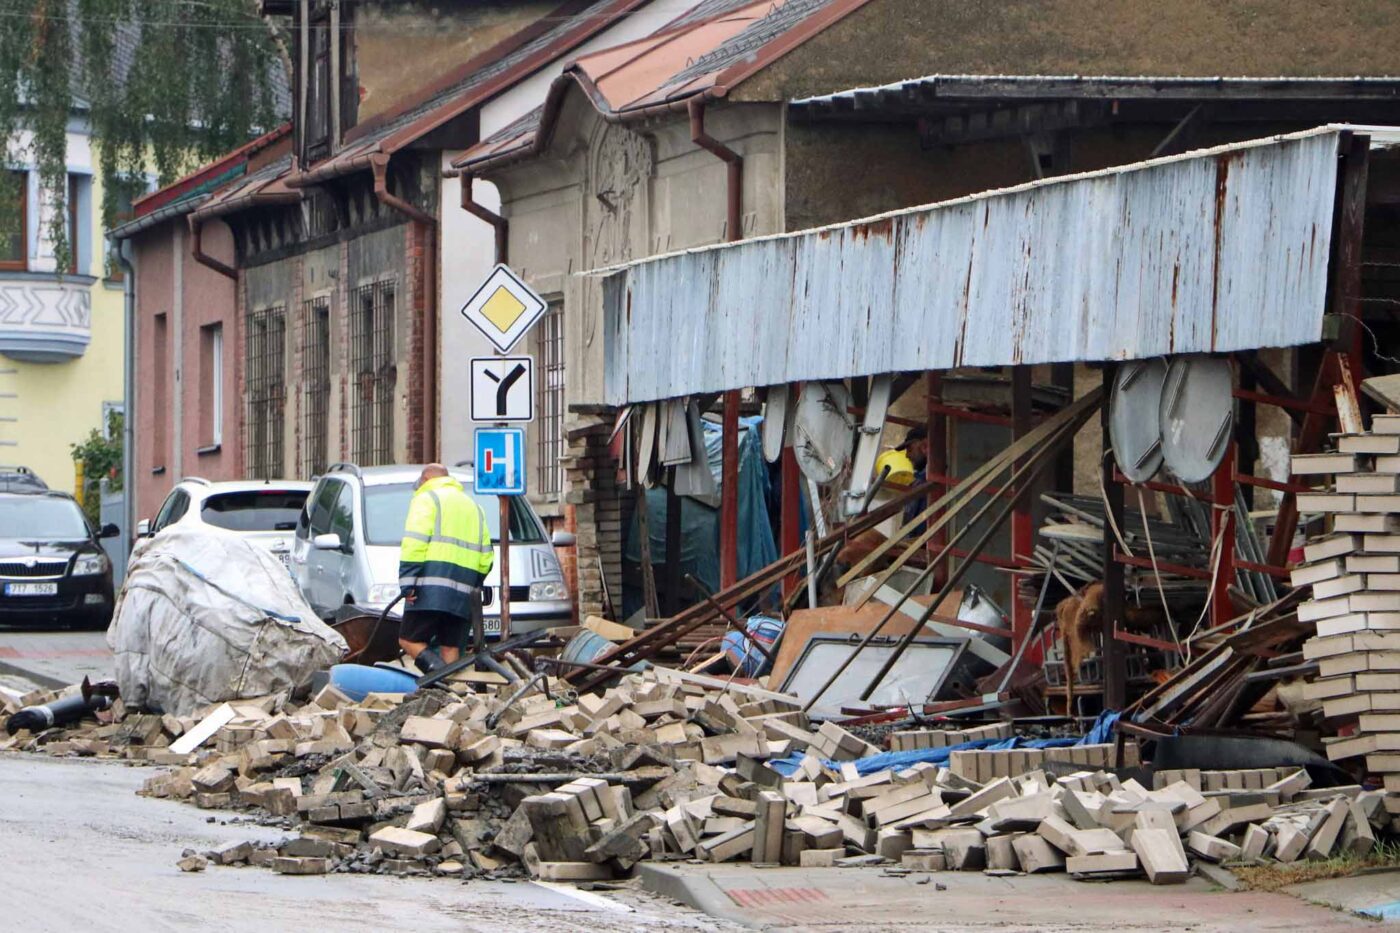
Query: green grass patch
[(1272, 877)]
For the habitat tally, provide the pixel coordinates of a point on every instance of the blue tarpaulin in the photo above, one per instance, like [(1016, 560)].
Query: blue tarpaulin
[(1101, 733), (700, 524)]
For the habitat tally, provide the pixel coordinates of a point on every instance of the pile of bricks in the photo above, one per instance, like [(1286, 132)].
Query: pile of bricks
[(668, 765), (1354, 575), (913, 739)]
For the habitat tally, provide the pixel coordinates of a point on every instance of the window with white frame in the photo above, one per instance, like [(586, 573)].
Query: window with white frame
[(211, 385), (549, 433)]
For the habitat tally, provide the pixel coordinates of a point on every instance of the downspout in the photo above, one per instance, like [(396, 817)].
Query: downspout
[(128, 400), (729, 439), (203, 258), (731, 158), (379, 165), (477, 209)]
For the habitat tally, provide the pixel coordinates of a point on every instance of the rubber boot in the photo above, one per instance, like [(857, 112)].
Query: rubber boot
[(428, 661)]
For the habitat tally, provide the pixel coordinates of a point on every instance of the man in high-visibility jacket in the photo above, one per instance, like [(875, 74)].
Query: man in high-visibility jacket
[(443, 560)]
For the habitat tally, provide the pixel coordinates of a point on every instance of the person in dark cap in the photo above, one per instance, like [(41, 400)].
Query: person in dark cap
[(915, 444)]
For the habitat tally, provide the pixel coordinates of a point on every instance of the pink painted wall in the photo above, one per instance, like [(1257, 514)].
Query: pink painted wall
[(209, 298), (169, 430), (152, 255)]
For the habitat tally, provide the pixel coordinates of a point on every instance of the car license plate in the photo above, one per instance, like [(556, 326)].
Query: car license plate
[(493, 626), (38, 589)]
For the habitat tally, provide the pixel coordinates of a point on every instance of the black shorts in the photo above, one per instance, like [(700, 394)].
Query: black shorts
[(423, 625)]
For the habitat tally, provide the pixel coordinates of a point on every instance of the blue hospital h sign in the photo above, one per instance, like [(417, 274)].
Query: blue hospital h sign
[(500, 461)]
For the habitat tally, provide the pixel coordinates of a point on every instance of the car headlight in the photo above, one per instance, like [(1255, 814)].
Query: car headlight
[(382, 593), (548, 591), (89, 564)]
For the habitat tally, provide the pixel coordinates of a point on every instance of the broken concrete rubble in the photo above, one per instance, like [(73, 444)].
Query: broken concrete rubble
[(658, 768)]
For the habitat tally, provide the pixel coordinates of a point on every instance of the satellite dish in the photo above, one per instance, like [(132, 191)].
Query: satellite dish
[(1134, 418), (1197, 414), (822, 430), (777, 412)]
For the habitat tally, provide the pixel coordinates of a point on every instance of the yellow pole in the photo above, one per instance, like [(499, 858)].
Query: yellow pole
[(78, 482)]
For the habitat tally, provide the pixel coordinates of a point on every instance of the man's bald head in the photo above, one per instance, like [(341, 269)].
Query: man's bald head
[(431, 471)]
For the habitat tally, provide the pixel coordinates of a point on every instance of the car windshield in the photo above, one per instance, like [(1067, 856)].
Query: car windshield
[(254, 510), (45, 518), (386, 510)]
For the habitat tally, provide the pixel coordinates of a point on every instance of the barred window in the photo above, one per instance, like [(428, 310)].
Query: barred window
[(316, 384), (549, 436), (265, 390), (373, 373)]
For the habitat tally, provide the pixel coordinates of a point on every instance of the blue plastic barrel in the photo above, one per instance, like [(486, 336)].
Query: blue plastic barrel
[(359, 680), (585, 646)]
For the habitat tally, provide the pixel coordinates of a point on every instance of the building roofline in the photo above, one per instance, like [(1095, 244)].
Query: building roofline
[(184, 186), (1121, 86), (725, 81), (336, 166)]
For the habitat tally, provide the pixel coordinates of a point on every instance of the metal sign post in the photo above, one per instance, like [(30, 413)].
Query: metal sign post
[(504, 309), (500, 471), (505, 566)]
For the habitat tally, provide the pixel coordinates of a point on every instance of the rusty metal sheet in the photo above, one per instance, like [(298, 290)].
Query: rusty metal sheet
[(1217, 250)]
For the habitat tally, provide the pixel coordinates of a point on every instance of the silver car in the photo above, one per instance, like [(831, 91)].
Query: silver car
[(346, 548)]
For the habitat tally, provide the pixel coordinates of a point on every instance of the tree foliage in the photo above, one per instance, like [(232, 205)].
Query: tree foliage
[(101, 456), (164, 84)]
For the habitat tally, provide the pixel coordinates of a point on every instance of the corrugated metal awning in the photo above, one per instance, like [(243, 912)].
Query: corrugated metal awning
[(1217, 250)]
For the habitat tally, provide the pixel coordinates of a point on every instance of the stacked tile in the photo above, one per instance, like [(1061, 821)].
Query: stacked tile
[(1354, 574), (914, 739)]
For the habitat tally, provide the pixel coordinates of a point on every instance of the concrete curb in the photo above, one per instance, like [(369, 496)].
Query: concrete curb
[(692, 889), (44, 681)]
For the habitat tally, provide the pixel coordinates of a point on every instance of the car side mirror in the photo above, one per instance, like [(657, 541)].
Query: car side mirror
[(326, 542), (109, 530), (563, 539), (143, 528)]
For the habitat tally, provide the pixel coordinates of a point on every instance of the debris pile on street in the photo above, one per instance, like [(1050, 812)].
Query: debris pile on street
[(458, 781)]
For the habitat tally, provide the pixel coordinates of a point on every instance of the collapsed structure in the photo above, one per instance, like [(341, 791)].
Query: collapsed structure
[(1171, 278)]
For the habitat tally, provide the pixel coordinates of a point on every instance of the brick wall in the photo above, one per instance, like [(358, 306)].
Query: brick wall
[(594, 501)]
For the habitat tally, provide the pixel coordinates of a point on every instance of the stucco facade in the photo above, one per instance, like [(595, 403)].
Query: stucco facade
[(61, 334)]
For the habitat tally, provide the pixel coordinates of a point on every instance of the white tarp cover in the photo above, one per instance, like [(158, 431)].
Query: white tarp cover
[(207, 616)]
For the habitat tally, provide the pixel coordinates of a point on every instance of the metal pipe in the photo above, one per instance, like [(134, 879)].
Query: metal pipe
[(1036, 626), (729, 492), (1041, 464), (728, 617), (379, 165), (1066, 431), (124, 257), (818, 575), (790, 532), (200, 256), (735, 162), (811, 569), (477, 209), (1022, 521), (729, 449), (495, 717)]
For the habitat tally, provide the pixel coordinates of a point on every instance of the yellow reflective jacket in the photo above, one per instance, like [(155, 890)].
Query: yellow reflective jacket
[(446, 550)]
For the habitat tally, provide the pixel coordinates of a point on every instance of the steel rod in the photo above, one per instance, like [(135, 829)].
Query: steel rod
[(728, 617), (1036, 625), (1036, 462), (1036, 466)]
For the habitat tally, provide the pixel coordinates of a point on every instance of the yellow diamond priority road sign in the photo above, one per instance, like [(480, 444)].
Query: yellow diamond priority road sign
[(504, 308)]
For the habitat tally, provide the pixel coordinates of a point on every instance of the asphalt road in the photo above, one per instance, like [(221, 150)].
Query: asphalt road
[(82, 852)]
